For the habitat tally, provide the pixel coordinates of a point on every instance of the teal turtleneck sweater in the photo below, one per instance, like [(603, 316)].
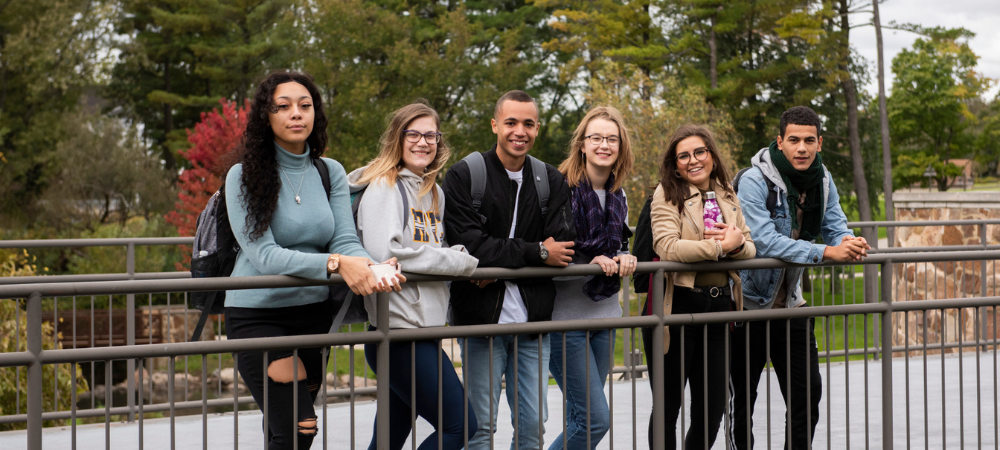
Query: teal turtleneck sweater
[(301, 237)]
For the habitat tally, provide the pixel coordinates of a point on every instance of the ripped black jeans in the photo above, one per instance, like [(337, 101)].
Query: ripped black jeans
[(244, 323)]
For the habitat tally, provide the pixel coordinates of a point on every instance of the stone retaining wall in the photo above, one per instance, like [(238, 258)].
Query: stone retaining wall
[(945, 280)]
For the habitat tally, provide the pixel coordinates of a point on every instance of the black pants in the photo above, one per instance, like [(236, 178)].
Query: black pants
[(243, 323), (698, 359), (795, 359)]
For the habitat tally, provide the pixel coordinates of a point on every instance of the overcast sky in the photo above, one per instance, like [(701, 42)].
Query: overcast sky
[(979, 16)]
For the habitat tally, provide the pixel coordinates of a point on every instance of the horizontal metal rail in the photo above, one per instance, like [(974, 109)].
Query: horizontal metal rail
[(489, 273), (35, 357)]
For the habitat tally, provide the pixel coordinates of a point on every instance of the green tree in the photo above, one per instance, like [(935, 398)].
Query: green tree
[(50, 57), (371, 57), (57, 390), (929, 106), (181, 57), (106, 174), (653, 120), (987, 143)]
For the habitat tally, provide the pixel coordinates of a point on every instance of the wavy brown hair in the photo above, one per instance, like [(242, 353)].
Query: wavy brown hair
[(574, 168), (675, 188), (390, 158), (260, 181)]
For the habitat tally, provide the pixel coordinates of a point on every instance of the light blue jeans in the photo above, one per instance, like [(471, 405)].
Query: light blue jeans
[(527, 414), (578, 352)]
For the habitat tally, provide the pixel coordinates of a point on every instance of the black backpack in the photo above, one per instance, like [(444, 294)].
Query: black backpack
[(477, 177), (642, 246), (215, 250), (772, 195)]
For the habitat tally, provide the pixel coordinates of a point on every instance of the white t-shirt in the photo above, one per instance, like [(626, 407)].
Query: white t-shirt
[(514, 310)]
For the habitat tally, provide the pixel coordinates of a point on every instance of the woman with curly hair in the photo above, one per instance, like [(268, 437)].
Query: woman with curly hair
[(404, 175), (287, 225)]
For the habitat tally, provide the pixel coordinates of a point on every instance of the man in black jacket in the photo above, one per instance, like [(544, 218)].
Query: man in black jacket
[(509, 230)]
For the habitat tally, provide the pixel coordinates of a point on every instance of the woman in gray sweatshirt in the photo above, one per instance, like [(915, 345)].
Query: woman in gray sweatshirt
[(412, 153)]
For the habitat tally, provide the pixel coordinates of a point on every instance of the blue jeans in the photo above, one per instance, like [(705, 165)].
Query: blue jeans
[(581, 354), (527, 414), (452, 426)]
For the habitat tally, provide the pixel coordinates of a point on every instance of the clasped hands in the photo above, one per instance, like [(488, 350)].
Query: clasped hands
[(729, 236), (362, 281), (851, 248)]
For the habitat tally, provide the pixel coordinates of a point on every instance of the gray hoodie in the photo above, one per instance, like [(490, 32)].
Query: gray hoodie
[(419, 246)]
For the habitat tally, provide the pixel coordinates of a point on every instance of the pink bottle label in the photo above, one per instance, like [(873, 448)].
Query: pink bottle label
[(712, 213)]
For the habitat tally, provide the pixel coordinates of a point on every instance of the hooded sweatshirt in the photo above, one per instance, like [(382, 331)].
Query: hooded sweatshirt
[(419, 245)]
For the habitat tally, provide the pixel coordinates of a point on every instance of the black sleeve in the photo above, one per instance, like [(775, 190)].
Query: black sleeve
[(626, 235), (464, 225), (559, 222)]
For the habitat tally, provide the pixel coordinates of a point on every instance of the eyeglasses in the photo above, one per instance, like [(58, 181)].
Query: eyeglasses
[(414, 137), (596, 139), (700, 153)]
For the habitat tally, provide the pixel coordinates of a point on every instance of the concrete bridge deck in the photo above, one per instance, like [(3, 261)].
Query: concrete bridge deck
[(965, 417)]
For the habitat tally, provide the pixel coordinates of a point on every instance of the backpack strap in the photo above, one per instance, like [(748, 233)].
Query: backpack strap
[(324, 175), (406, 202), (541, 182), (772, 198), (477, 178), (772, 195)]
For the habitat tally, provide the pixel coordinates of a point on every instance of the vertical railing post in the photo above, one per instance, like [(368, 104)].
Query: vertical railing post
[(34, 338), (984, 323), (887, 356), (382, 378), (626, 301), (130, 331), (870, 271), (656, 362)]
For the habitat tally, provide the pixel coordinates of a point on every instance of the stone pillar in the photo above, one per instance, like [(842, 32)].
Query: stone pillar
[(944, 280)]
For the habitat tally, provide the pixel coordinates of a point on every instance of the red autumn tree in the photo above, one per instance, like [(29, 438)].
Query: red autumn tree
[(216, 134)]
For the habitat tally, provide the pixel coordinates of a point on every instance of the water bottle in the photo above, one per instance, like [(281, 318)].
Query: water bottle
[(713, 214)]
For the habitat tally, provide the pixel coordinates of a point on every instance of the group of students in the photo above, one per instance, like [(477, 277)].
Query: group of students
[(286, 222)]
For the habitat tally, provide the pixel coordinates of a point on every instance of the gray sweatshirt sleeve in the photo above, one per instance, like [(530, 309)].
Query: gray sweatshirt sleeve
[(380, 219)]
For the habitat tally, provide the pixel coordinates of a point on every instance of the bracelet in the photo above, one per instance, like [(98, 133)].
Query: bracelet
[(737, 250), (718, 245)]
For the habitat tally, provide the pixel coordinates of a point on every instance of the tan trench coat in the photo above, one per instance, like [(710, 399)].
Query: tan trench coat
[(680, 236)]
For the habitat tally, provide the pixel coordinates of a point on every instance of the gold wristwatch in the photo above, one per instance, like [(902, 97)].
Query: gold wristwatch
[(333, 264)]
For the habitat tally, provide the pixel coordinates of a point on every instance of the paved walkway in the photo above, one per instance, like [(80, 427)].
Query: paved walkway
[(843, 418)]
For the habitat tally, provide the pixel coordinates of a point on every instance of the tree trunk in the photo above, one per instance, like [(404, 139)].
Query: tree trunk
[(851, 96), (713, 74), (169, 163), (890, 212)]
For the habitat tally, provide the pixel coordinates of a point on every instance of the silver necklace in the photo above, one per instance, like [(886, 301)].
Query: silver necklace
[(297, 199)]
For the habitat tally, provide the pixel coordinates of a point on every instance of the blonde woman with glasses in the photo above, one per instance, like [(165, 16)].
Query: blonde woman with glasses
[(599, 161), (401, 216)]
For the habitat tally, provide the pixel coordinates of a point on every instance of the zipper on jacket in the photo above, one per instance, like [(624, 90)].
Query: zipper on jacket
[(496, 311), (510, 208)]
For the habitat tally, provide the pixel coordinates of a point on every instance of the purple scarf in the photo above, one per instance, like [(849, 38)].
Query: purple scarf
[(599, 231)]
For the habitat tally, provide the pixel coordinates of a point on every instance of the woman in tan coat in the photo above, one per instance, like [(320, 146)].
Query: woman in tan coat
[(692, 170)]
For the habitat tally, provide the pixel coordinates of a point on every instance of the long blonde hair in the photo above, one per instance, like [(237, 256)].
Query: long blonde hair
[(574, 168), (390, 158)]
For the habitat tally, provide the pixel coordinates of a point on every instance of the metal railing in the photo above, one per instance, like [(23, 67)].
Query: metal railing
[(34, 358), (632, 358)]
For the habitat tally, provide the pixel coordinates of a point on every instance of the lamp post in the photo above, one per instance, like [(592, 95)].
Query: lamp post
[(930, 173)]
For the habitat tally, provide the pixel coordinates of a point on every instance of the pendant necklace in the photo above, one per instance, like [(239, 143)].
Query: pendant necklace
[(297, 199)]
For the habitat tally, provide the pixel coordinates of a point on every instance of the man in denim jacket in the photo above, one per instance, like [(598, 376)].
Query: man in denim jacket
[(807, 207)]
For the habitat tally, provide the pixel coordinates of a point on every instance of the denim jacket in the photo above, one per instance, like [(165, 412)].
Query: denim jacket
[(772, 236)]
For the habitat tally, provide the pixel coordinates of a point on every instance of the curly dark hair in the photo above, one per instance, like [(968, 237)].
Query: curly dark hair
[(260, 181), (799, 115), (675, 188)]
